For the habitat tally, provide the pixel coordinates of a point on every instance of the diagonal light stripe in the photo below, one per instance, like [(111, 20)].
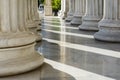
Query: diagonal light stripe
[(86, 48), (68, 27), (68, 33), (77, 73)]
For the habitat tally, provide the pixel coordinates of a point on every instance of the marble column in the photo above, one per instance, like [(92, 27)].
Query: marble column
[(17, 53), (48, 8), (36, 14), (66, 5), (30, 15), (36, 19), (94, 13), (79, 12), (71, 10), (109, 26), (62, 8), (31, 19)]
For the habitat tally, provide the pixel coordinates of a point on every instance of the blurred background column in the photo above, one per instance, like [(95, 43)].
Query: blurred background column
[(66, 9), (48, 8), (71, 10)]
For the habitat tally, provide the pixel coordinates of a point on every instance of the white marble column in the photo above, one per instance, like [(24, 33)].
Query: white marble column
[(94, 12), (36, 14), (30, 15), (109, 26), (31, 22), (17, 53), (66, 5), (80, 6), (71, 10), (36, 19), (48, 8), (62, 8)]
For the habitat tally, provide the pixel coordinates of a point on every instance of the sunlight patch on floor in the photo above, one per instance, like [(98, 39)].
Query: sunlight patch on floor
[(86, 48), (72, 34), (78, 74)]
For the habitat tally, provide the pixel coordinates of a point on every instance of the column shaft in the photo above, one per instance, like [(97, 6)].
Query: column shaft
[(66, 8), (48, 8), (30, 15), (71, 10), (5, 19), (62, 8), (17, 53)]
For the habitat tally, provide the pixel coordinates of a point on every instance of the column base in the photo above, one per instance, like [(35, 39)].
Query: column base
[(89, 25), (77, 20), (108, 35), (69, 18), (16, 60)]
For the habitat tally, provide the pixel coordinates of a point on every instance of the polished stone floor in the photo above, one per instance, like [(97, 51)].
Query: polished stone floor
[(71, 54)]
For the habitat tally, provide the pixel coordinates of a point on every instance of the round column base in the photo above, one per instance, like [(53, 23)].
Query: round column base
[(89, 25), (107, 35), (77, 20), (69, 17), (18, 60)]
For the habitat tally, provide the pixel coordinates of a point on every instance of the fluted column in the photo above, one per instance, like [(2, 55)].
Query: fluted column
[(62, 8), (36, 14), (29, 13), (109, 26), (94, 12), (48, 8), (79, 12), (17, 54), (31, 21), (36, 19), (71, 10)]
